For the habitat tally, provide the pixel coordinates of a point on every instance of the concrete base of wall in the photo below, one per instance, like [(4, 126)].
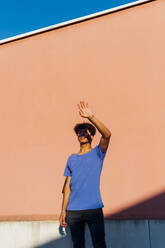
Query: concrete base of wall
[(49, 234)]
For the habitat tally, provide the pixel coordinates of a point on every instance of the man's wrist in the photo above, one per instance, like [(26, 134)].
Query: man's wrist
[(90, 117)]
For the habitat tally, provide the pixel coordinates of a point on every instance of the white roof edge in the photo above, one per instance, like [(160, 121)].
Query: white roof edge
[(62, 24)]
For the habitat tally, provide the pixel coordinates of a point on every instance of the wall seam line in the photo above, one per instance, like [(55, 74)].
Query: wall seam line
[(149, 233)]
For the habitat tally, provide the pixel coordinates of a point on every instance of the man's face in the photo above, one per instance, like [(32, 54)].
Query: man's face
[(82, 138)]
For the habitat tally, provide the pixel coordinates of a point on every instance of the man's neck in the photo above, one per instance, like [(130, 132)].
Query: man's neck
[(85, 148)]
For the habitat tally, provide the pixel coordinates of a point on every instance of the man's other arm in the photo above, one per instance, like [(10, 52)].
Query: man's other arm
[(66, 193)]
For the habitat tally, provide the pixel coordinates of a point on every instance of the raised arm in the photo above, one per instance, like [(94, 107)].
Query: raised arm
[(105, 132)]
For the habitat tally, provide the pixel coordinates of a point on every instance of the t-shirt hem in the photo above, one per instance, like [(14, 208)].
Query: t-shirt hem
[(101, 206)]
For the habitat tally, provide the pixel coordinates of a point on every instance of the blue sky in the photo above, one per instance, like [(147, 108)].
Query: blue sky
[(20, 16)]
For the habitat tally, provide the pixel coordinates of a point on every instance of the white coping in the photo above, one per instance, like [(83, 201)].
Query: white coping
[(62, 24)]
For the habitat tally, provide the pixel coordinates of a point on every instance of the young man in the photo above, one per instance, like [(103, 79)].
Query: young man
[(82, 201)]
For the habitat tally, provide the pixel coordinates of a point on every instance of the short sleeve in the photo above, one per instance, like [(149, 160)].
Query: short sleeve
[(100, 153), (67, 171)]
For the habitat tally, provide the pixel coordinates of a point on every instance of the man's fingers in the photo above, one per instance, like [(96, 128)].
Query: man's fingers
[(82, 104), (63, 221)]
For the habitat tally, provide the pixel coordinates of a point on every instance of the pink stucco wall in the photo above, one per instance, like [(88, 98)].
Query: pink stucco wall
[(116, 64)]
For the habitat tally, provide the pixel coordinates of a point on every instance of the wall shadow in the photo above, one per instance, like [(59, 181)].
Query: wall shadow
[(59, 242), (151, 208), (65, 240)]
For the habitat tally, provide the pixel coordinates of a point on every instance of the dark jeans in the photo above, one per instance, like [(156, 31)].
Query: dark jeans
[(76, 219)]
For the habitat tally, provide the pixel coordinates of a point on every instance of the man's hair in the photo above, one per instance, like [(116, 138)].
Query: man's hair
[(85, 125)]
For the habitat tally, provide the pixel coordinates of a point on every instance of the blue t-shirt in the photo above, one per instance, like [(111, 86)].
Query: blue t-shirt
[(85, 171)]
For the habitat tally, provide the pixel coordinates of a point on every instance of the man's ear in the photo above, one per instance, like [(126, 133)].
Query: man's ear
[(89, 132)]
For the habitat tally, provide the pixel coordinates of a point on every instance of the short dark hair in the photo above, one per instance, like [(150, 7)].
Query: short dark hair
[(85, 125)]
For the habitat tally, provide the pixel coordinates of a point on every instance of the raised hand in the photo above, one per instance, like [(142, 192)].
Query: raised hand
[(84, 110)]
